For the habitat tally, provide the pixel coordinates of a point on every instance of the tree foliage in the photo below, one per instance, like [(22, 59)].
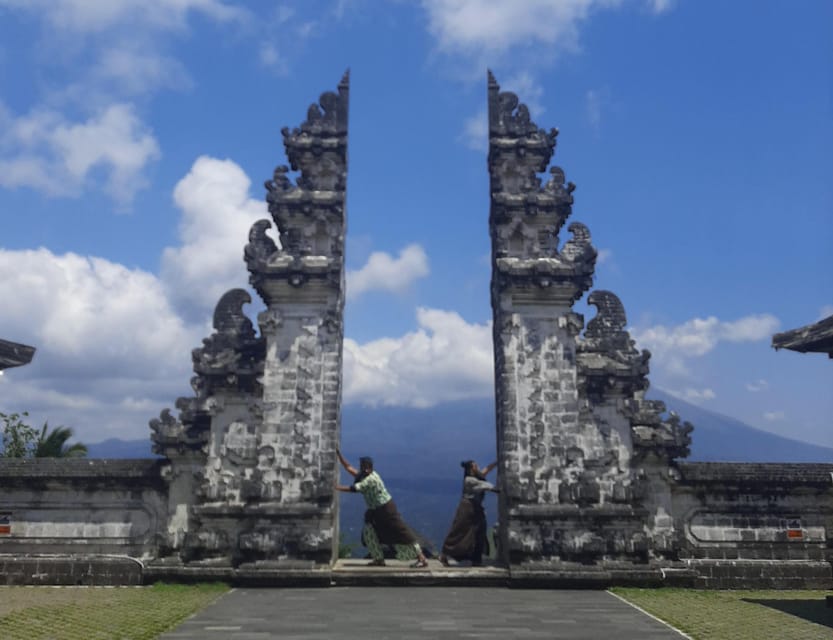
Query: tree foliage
[(18, 437), (54, 444), (22, 441)]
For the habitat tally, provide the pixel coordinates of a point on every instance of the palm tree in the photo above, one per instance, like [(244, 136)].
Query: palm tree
[(54, 445)]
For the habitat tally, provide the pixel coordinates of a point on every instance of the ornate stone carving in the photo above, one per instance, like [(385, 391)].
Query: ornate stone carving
[(573, 427), (170, 437), (666, 438), (309, 214)]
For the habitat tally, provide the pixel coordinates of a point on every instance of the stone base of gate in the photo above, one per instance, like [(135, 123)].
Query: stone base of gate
[(92, 570)]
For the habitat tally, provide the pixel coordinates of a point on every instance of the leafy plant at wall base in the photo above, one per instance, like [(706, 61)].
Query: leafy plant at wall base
[(18, 437), (345, 549)]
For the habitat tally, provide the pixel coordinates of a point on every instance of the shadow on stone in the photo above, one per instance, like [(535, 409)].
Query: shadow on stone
[(811, 610)]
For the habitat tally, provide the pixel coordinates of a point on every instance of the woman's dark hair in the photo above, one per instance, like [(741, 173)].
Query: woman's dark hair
[(468, 465)]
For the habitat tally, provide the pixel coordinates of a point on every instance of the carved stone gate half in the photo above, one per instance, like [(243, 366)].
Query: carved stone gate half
[(253, 452)]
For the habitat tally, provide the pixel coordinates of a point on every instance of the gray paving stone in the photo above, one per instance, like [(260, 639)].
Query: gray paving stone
[(404, 613)]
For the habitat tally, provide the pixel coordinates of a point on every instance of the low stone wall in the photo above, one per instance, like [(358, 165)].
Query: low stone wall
[(76, 520), (756, 525)]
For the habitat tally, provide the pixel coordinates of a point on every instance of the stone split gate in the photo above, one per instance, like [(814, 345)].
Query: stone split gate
[(593, 487)]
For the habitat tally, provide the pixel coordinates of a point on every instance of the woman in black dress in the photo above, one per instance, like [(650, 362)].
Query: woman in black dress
[(467, 538)]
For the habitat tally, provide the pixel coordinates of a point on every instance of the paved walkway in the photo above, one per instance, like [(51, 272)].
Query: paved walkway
[(377, 613)]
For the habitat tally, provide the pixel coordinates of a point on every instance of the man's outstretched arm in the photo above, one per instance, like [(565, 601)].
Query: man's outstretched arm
[(347, 466)]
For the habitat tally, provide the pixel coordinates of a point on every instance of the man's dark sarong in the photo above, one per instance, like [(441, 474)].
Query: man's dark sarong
[(467, 538), (389, 526)]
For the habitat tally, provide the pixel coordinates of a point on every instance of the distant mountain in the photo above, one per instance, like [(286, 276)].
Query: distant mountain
[(418, 453), (115, 448), (719, 438)]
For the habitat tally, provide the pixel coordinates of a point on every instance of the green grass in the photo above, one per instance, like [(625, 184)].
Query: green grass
[(70, 613), (738, 615)]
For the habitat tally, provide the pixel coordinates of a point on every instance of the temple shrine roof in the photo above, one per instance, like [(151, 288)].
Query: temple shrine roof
[(13, 354), (816, 338)]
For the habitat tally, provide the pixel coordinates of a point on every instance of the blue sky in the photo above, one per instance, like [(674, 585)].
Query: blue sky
[(135, 137)]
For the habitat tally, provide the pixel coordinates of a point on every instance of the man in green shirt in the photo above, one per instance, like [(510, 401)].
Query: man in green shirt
[(382, 523)]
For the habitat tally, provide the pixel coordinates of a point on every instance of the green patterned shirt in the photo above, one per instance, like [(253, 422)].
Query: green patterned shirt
[(373, 490)]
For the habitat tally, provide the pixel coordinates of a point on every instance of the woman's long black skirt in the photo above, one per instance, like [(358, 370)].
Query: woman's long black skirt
[(467, 538)]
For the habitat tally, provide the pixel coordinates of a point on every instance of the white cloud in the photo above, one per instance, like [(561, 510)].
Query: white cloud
[(475, 133), (759, 385), (604, 255), (104, 333), (825, 312), (477, 27), (132, 69), (660, 6), (672, 346), (90, 16), (773, 416), (445, 359), (217, 213), (385, 273), (695, 396), (593, 108), (44, 151), (271, 57), (527, 88), (114, 344)]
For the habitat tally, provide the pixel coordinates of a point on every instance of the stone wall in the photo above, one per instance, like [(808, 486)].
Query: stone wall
[(77, 521), (755, 525)]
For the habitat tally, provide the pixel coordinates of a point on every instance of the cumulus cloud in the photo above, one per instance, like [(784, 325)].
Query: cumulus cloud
[(109, 53), (131, 69), (386, 273), (672, 346), (445, 359), (104, 334), (485, 26), (113, 343), (773, 416), (217, 213), (43, 150), (91, 16)]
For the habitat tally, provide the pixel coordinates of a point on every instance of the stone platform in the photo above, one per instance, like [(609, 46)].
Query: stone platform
[(445, 612), (356, 572)]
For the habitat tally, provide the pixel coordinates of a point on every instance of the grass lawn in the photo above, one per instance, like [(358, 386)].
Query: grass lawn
[(738, 615), (87, 613)]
